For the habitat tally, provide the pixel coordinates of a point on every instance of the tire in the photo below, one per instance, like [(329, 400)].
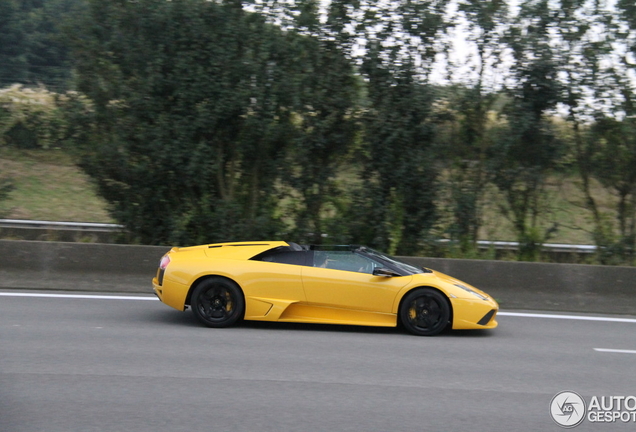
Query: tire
[(217, 302), (425, 312)]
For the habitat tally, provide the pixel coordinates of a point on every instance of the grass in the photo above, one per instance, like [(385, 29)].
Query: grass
[(49, 186), (563, 209)]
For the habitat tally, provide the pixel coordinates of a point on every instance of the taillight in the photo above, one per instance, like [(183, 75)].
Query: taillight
[(165, 260)]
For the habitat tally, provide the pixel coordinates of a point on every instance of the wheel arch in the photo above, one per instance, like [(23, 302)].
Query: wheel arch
[(202, 278), (410, 290)]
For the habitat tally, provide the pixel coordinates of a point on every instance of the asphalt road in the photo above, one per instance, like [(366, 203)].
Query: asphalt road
[(73, 364)]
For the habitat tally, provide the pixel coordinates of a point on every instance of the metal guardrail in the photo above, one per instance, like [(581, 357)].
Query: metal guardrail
[(104, 227), (548, 247), (75, 226)]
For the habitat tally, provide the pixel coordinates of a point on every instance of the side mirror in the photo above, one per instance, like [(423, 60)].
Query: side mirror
[(383, 271)]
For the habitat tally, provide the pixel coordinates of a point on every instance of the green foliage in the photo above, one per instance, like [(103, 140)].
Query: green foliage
[(327, 93), (470, 141), (12, 59), (200, 121), (627, 9), (6, 187), (30, 118), (611, 149), (466, 120), (31, 52), (196, 106), (399, 178), (395, 209), (527, 149)]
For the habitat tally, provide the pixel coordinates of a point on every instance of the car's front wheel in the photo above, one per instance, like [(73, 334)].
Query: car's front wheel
[(217, 302), (425, 312)]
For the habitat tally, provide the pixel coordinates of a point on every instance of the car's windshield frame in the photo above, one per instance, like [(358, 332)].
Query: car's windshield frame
[(393, 263)]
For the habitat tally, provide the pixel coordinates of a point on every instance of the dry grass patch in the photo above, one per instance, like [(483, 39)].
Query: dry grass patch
[(49, 186)]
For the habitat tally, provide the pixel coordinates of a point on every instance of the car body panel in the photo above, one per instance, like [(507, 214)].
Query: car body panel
[(312, 313), (467, 312), (284, 292), (237, 250), (351, 290), (467, 308), (172, 293)]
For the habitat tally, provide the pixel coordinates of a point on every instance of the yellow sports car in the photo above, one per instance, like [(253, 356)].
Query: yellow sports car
[(286, 282)]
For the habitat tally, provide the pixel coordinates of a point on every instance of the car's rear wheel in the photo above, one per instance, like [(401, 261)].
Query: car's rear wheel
[(217, 302), (425, 312)]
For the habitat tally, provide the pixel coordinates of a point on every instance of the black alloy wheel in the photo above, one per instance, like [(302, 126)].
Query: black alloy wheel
[(425, 312), (218, 302)]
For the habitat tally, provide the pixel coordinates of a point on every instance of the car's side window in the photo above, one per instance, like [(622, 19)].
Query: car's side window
[(343, 260)]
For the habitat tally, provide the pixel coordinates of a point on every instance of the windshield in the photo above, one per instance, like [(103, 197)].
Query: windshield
[(407, 268)]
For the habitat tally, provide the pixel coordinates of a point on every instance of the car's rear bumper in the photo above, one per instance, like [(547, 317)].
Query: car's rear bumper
[(157, 289), (171, 293)]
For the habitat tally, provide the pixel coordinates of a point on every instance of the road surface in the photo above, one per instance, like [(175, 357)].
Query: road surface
[(132, 364)]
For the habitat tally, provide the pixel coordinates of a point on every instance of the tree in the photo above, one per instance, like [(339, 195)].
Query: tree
[(613, 160), (326, 93), (31, 50), (13, 62), (30, 118), (593, 52), (527, 149), (395, 210), (192, 114), (469, 107)]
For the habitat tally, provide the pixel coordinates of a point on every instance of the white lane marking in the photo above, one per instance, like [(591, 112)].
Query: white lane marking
[(77, 296), (567, 317), (620, 351)]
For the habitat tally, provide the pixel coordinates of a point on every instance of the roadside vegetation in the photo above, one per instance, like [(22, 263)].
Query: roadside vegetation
[(47, 185), (342, 122)]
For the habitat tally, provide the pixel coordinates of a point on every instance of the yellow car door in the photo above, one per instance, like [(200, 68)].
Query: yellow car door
[(271, 283), (344, 279)]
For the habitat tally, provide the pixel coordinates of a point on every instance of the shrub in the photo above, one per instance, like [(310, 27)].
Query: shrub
[(30, 118)]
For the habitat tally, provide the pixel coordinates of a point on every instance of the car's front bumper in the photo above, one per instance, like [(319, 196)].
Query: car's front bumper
[(474, 314)]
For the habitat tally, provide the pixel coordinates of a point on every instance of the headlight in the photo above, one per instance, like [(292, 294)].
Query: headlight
[(475, 293)]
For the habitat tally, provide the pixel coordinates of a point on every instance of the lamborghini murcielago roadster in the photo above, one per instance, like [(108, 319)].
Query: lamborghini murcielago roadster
[(224, 283)]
